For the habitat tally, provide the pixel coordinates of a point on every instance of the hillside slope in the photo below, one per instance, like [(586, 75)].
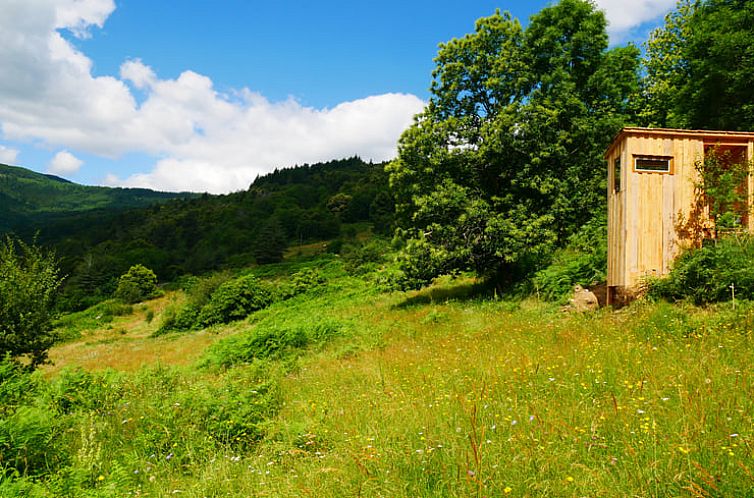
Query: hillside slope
[(30, 200), (346, 391)]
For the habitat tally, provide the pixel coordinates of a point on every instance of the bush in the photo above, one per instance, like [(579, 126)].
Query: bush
[(307, 279), (178, 319), (269, 341), (29, 430), (16, 385), (29, 283), (28, 440), (199, 292), (137, 284), (235, 300), (583, 261), (364, 257), (705, 275)]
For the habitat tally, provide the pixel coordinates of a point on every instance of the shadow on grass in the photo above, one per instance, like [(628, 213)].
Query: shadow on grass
[(461, 291)]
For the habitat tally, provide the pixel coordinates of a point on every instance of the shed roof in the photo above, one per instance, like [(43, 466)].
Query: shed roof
[(711, 136)]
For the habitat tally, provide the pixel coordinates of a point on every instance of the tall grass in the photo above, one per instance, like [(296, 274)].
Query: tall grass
[(407, 396)]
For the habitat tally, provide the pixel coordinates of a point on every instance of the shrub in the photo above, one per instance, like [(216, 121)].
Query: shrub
[(137, 284), (269, 341), (705, 275), (306, 279), (29, 429), (235, 300), (364, 257), (28, 440), (199, 292), (178, 319), (29, 283), (16, 385), (583, 261)]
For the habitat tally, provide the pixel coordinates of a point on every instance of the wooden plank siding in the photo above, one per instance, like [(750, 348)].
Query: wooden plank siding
[(643, 217)]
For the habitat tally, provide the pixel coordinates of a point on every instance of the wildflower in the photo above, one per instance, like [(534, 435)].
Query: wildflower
[(101, 478), (569, 479), (507, 490)]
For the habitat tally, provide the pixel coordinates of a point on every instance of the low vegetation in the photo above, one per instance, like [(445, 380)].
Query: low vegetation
[(338, 389), (719, 271), (294, 362)]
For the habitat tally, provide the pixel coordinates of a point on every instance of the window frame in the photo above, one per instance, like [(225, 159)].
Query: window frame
[(669, 159), (617, 171)]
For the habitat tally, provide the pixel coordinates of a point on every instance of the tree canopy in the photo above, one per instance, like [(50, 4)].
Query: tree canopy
[(29, 282), (699, 67), (506, 160)]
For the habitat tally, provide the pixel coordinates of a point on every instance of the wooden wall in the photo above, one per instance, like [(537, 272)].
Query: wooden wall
[(646, 219), (643, 219)]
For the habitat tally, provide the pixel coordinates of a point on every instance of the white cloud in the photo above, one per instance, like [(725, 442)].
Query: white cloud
[(64, 163), (8, 155), (206, 140), (234, 142), (79, 15), (137, 73), (624, 15)]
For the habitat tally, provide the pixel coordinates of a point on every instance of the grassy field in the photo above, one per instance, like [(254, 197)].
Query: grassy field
[(434, 393)]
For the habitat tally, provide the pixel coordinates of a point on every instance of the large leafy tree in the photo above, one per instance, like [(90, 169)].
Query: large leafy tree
[(29, 282), (506, 160), (699, 66)]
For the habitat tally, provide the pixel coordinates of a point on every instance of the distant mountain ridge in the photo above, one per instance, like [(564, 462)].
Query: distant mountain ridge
[(29, 199)]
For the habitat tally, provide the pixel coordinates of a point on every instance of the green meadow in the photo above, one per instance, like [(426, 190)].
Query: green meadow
[(345, 389)]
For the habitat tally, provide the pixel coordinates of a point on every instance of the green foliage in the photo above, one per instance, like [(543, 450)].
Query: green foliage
[(86, 434), (698, 66), (16, 386), (70, 326), (363, 257), (29, 281), (722, 179), (198, 234), (583, 261), (30, 200), (178, 319), (29, 434), (235, 300), (270, 243), (306, 280), (505, 163), (29, 441), (269, 341), (706, 275), (198, 292), (137, 284)]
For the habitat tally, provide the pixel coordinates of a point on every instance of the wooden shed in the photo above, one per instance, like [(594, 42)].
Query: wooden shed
[(653, 197)]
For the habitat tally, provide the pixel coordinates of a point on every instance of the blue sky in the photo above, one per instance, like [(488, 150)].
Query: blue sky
[(204, 95)]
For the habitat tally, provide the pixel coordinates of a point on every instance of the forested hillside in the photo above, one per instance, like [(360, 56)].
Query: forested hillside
[(324, 375), (30, 201), (190, 236)]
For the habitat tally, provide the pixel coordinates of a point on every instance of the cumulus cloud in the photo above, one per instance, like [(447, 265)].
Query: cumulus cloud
[(64, 163), (205, 140), (79, 15), (8, 155), (623, 16)]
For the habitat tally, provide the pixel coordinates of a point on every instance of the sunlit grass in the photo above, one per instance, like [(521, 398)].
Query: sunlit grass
[(441, 394)]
